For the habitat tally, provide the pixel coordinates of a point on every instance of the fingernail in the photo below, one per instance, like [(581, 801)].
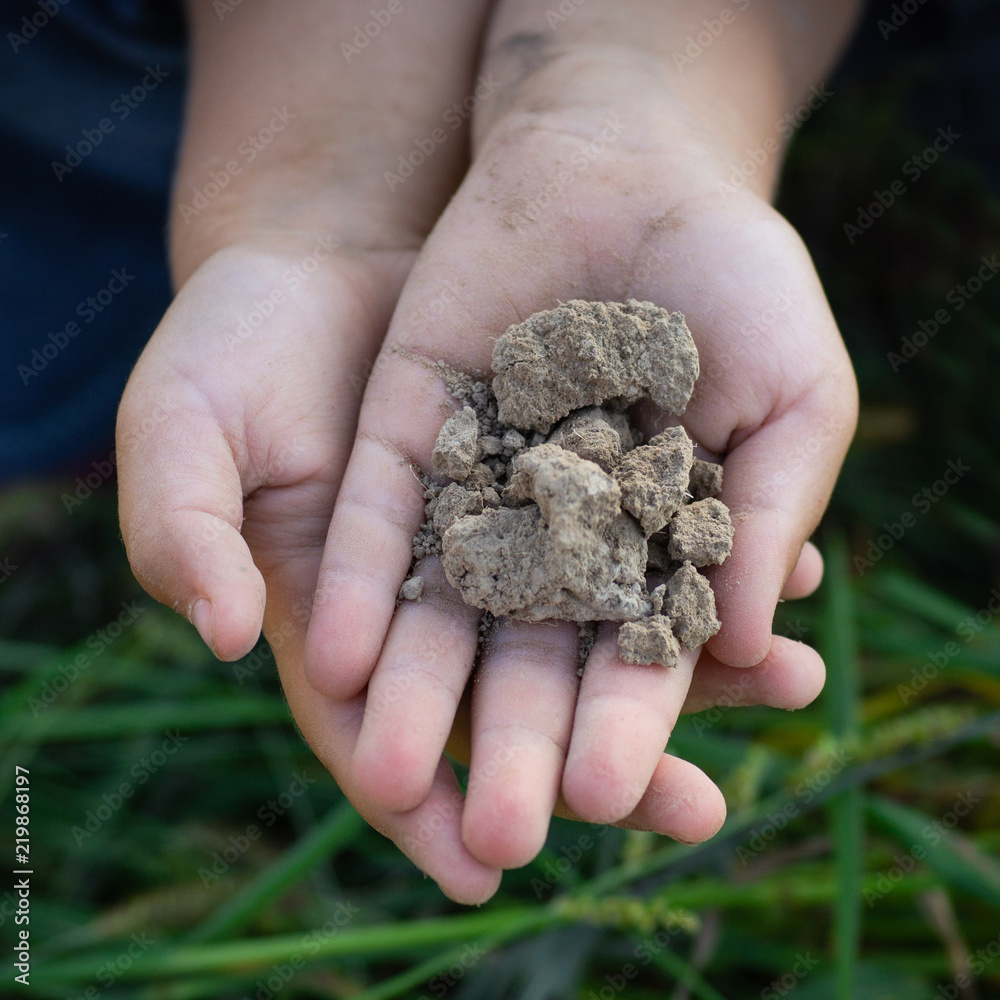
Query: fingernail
[(201, 618)]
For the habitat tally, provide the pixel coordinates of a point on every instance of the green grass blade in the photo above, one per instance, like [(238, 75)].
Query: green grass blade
[(338, 828), (111, 722), (686, 975), (954, 857), (928, 604), (846, 808), (348, 943), (431, 967)]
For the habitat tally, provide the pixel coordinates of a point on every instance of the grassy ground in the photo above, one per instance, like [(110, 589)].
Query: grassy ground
[(186, 843)]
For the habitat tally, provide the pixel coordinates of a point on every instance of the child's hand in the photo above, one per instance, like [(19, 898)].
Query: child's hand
[(221, 407), (596, 175)]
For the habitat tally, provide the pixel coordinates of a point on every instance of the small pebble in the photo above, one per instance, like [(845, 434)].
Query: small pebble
[(514, 440), (412, 589)]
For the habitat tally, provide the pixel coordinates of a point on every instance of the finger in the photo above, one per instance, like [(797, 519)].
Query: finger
[(380, 506), (790, 677), (807, 575), (624, 716), (776, 485), (522, 714), (181, 509), (429, 834), (681, 802), (414, 693)]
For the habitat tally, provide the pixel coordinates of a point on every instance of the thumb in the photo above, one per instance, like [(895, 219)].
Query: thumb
[(181, 510)]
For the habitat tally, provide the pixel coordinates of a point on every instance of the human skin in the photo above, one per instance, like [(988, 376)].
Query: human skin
[(225, 506)]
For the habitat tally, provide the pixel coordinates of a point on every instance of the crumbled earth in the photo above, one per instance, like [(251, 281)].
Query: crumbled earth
[(412, 589), (557, 508), (587, 353), (457, 448), (690, 605), (701, 533), (654, 478), (649, 640)]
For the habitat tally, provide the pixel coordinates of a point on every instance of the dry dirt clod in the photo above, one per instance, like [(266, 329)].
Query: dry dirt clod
[(412, 589), (457, 447), (509, 563), (489, 444), (586, 353), (570, 553), (563, 523), (690, 606), (455, 502), (571, 491), (701, 533), (650, 640), (599, 435), (705, 480), (512, 441), (654, 478)]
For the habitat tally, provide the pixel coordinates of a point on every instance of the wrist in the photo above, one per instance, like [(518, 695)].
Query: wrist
[(267, 214), (589, 92), (720, 86)]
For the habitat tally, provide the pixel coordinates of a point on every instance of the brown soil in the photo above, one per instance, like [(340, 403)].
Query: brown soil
[(557, 510)]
